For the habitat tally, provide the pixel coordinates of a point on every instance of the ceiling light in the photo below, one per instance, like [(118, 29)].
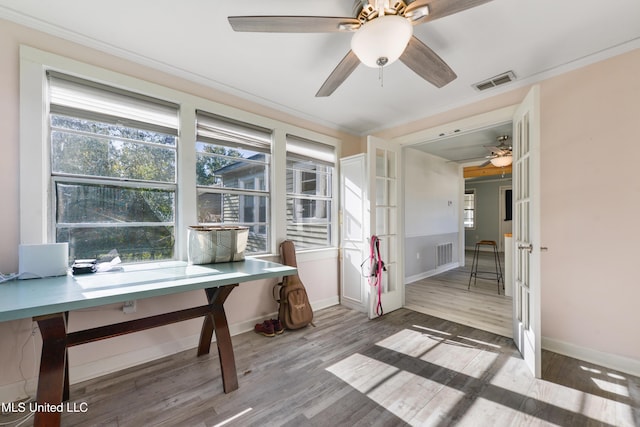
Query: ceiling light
[(382, 40), (502, 161)]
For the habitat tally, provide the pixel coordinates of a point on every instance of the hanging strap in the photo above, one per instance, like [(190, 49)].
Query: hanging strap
[(377, 267)]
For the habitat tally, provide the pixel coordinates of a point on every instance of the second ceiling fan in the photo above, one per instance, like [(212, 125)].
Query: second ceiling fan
[(383, 33)]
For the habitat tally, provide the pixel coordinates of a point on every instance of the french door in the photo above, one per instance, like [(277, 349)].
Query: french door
[(526, 232), (384, 185)]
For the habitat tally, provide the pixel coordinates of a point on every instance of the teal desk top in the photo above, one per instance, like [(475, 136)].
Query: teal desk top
[(21, 299)]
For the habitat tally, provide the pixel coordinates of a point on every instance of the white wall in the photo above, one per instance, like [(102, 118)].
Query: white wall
[(589, 206), (432, 211)]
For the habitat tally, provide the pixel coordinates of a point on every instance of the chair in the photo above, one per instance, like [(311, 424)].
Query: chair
[(475, 262)]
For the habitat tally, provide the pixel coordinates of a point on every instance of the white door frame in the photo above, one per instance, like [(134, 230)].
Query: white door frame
[(527, 333), (470, 124)]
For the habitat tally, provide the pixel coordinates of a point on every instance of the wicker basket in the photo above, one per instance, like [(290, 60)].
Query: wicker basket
[(212, 244)]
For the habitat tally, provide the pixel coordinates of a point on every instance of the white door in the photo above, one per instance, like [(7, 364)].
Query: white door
[(526, 230), (354, 229), (383, 167)]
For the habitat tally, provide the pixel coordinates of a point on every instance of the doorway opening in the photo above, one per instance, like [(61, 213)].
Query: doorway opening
[(445, 292)]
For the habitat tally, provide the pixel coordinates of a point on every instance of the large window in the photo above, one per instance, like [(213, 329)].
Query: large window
[(310, 169), (109, 161), (113, 170), (232, 176)]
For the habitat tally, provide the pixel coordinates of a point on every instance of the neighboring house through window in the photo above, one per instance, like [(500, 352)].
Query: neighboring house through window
[(232, 176)]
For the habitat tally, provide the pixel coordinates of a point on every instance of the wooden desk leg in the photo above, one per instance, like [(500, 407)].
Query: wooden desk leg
[(65, 390), (51, 380), (217, 320)]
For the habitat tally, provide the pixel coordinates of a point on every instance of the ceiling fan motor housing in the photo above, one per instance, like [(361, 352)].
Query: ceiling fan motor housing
[(382, 40)]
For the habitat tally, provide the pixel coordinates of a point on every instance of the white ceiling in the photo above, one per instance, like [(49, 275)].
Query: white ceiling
[(193, 39), (470, 148)]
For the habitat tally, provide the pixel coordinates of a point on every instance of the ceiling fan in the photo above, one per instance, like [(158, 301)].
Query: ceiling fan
[(383, 33), (501, 154)]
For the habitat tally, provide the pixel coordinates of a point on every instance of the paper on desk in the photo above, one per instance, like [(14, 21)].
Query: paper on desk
[(112, 265)]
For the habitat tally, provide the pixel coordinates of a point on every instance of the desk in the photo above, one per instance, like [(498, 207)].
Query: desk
[(48, 301)]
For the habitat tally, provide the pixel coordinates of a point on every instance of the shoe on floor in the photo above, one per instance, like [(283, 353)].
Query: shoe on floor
[(265, 328), (277, 326)]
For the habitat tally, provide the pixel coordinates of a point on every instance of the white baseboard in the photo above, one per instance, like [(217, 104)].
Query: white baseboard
[(424, 275), (606, 360), (325, 303), (108, 365)]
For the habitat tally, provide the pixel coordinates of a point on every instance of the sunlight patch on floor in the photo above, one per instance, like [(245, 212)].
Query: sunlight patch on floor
[(442, 383), (611, 387), (446, 352), (233, 418), (406, 395)]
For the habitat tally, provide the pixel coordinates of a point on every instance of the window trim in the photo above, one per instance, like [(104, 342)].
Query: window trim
[(35, 210)]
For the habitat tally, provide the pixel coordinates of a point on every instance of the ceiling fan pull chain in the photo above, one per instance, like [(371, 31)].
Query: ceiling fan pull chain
[(381, 75)]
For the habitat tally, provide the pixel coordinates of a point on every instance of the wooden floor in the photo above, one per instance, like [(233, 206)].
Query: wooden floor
[(446, 296), (405, 368)]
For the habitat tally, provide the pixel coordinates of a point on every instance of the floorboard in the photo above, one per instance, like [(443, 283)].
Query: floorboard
[(406, 368), (449, 296)]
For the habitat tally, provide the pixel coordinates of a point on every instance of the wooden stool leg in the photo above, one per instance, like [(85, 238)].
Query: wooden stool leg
[(474, 267)]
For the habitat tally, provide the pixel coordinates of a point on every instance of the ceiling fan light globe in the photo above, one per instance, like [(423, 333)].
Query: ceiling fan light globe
[(383, 37), (502, 161)]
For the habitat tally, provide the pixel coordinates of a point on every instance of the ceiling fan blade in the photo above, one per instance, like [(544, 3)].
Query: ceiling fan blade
[(293, 24), (441, 8), (427, 64), (339, 74)]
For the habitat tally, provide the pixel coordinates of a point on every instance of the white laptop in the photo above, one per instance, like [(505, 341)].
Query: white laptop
[(45, 260)]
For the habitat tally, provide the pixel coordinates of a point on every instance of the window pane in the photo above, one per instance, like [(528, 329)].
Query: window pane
[(307, 177), (309, 224), (94, 203), (257, 241), (77, 152), (111, 130), (219, 166), (134, 244)]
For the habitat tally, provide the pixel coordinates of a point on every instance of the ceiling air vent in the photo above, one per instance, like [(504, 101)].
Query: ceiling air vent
[(498, 80)]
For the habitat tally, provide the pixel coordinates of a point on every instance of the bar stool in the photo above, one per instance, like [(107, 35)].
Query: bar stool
[(475, 262)]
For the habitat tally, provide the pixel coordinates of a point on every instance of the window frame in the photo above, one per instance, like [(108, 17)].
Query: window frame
[(36, 188), (78, 88), (473, 192), (316, 156)]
